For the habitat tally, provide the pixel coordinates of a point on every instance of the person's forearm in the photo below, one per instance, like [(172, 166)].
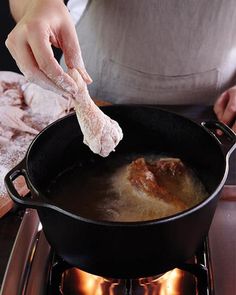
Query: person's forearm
[(18, 8)]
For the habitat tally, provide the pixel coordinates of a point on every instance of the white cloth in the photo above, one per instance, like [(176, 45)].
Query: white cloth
[(76, 8), (159, 51)]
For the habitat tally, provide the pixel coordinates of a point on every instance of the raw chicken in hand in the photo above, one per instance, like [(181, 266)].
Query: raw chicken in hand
[(101, 133)]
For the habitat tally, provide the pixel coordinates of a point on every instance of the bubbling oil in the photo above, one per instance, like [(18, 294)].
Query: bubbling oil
[(99, 191)]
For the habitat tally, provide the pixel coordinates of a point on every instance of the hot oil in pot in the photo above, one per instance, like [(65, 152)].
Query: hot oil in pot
[(85, 189), (124, 188)]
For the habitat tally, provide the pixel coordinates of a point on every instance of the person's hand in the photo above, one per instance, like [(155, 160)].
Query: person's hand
[(225, 107), (45, 23)]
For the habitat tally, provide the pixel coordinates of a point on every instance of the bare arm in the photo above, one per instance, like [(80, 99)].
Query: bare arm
[(18, 8)]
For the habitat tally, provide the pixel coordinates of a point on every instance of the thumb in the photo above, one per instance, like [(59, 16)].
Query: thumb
[(72, 52)]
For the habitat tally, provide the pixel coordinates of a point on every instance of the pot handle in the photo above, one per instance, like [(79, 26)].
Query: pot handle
[(230, 143), (25, 201)]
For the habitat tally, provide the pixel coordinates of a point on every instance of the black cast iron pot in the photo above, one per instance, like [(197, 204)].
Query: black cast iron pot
[(119, 249)]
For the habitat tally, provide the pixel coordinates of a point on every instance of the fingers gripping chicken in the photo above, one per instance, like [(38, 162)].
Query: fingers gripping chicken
[(101, 133)]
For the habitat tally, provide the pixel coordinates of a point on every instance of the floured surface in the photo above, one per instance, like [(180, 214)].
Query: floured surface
[(26, 109)]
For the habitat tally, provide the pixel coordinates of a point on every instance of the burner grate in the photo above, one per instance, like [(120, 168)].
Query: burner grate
[(191, 278)]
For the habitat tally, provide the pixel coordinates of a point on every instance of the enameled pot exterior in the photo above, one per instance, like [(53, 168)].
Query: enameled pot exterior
[(126, 250)]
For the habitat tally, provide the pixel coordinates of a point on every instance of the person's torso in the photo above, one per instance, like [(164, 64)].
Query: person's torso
[(159, 51)]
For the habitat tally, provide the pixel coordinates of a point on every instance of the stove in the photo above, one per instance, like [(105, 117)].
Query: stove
[(39, 271), (33, 268), (191, 278)]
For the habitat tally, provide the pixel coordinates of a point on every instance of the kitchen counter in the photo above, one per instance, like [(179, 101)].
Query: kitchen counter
[(9, 224)]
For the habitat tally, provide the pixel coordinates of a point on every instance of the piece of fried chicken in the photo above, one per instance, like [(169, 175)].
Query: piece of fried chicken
[(101, 133), (145, 184)]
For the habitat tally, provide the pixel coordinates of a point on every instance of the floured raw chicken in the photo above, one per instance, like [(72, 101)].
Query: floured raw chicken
[(23, 104), (11, 116), (25, 109), (46, 102), (101, 133)]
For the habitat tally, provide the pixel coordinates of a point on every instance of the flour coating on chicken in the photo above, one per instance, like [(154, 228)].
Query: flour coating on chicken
[(101, 133)]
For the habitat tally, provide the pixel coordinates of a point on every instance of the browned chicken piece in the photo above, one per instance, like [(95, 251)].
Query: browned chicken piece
[(150, 189), (167, 166), (144, 182), (179, 180)]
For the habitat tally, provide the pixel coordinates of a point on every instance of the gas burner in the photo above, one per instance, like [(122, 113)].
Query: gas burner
[(38, 271), (193, 277)]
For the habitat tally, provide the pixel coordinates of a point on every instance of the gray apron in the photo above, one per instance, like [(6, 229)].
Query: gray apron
[(159, 51)]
